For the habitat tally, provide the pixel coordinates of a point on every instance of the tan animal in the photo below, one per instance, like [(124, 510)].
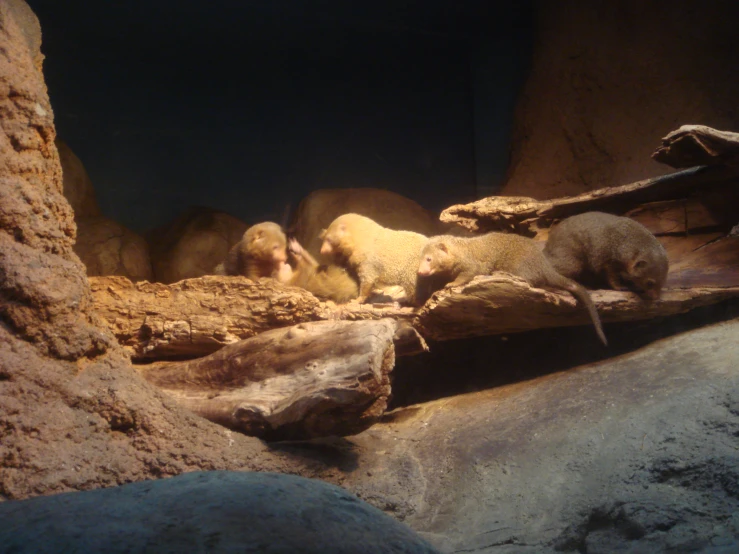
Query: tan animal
[(329, 282), (380, 257), (261, 252), (389, 209), (457, 260), (604, 250)]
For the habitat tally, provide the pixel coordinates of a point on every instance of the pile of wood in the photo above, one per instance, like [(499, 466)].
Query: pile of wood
[(274, 361)]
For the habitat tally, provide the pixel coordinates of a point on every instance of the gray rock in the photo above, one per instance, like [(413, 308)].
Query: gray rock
[(637, 454), (211, 512)]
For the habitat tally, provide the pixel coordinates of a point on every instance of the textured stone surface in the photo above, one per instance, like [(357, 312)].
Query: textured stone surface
[(74, 414), (78, 189), (193, 244), (636, 453), (44, 295), (609, 80), (108, 248), (206, 512)]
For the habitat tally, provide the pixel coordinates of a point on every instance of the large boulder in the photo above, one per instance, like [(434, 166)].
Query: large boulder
[(108, 248), (206, 512), (193, 244), (609, 80), (636, 453), (78, 189)]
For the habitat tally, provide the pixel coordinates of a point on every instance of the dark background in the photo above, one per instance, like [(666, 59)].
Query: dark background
[(248, 106)]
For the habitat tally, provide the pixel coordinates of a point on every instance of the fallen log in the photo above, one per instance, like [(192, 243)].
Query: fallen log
[(692, 145), (196, 317), (502, 304), (530, 217), (309, 380)]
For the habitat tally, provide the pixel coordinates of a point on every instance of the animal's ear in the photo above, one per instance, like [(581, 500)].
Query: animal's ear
[(342, 228), (322, 234), (258, 235), (640, 264), (443, 247)]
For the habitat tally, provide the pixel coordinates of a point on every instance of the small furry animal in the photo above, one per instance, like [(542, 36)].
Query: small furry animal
[(329, 282), (389, 209), (380, 257), (605, 250), (261, 252), (457, 260)]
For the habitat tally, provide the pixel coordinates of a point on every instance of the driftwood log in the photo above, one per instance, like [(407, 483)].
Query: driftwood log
[(508, 304), (196, 317), (309, 380), (692, 145), (532, 218)]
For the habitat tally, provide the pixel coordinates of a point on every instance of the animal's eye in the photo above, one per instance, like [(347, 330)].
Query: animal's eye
[(651, 283)]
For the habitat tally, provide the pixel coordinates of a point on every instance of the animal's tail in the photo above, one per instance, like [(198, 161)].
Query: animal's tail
[(582, 296)]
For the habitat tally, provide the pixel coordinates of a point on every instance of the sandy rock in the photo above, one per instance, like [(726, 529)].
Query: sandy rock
[(74, 414), (193, 244), (608, 81), (44, 295), (108, 248), (206, 512), (78, 189)]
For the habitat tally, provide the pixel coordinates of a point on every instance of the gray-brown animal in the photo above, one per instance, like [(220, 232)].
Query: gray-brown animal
[(380, 257), (457, 260), (609, 251)]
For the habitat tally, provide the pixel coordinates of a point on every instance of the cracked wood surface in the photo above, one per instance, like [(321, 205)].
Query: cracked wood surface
[(692, 145), (309, 380), (528, 216), (196, 317)]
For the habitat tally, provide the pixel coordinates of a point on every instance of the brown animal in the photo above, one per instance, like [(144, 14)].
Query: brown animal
[(604, 250), (380, 257), (329, 282), (261, 252), (457, 260), (389, 209)]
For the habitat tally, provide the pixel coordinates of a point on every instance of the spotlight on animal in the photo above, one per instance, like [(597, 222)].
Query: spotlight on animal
[(381, 258)]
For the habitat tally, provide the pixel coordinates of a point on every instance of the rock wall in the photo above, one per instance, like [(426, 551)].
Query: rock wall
[(608, 80), (74, 414), (78, 189)]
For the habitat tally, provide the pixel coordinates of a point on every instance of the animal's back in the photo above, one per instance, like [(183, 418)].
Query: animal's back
[(389, 209), (398, 253)]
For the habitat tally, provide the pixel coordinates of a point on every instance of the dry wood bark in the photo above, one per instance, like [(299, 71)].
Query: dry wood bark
[(312, 379), (692, 145), (502, 303), (527, 216), (196, 317)]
